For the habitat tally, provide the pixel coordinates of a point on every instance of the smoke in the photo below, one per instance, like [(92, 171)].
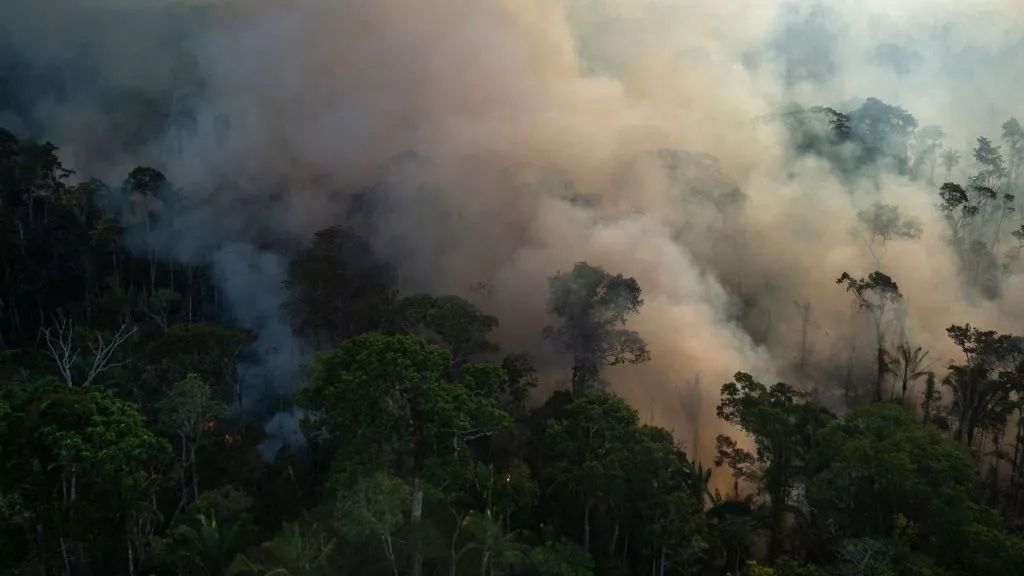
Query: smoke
[(502, 141)]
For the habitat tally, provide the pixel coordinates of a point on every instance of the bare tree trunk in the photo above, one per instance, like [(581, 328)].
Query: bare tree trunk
[(131, 559), (483, 563), (64, 553), (880, 373), (416, 556), (40, 547), (195, 474), (615, 538), (586, 526), (452, 542)]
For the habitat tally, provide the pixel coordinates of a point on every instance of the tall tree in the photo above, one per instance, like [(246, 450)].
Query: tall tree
[(1013, 135), (993, 167), (883, 132), (949, 159), (928, 141), (187, 412), (593, 306), (983, 385), (145, 187), (77, 464), (884, 222), (388, 400), (909, 366), (876, 473), (447, 321), (588, 447), (874, 295), (337, 287), (781, 423)]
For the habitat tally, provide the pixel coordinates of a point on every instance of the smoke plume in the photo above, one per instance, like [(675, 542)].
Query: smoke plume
[(501, 141)]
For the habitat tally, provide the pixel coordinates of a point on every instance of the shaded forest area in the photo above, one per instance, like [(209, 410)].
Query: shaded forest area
[(129, 446)]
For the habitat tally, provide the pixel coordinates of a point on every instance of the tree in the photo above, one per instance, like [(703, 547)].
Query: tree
[(993, 167), (909, 366), (883, 132), (63, 350), (587, 448), (879, 474), (337, 287), (593, 306), (884, 222), (375, 508), (208, 350), (187, 412), (297, 550), (658, 502), (983, 384), (387, 399), (205, 547), (447, 321), (522, 377), (559, 559), (1013, 135), (781, 424), (949, 158), (927, 140), (145, 185), (930, 398), (77, 464), (874, 295)]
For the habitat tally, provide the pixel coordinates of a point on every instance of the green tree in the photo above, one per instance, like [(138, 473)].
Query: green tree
[(593, 306), (586, 449), (447, 321), (782, 424), (879, 474), (208, 350), (187, 412), (983, 385), (206, 546), (559, 559), (78, 466), (388, 399), (375, 507), (297, 550)]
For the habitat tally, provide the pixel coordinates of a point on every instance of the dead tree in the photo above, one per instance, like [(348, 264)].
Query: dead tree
[(62, 350)]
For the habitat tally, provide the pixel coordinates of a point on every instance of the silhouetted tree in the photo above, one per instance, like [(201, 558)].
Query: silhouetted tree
[(593, 306), (874, 295)]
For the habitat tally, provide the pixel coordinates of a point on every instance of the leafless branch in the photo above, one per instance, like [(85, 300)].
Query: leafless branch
[(103, 351), (60, 348)]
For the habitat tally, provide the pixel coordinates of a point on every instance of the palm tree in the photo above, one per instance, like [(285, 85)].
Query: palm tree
[(909, 366), (207, 549), (929, 397), (293, 552)]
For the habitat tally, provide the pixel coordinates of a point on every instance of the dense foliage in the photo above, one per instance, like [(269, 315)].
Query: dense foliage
[(129, 445)]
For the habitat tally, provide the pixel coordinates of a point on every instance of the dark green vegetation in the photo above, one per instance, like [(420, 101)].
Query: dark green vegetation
[(128, 445)]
